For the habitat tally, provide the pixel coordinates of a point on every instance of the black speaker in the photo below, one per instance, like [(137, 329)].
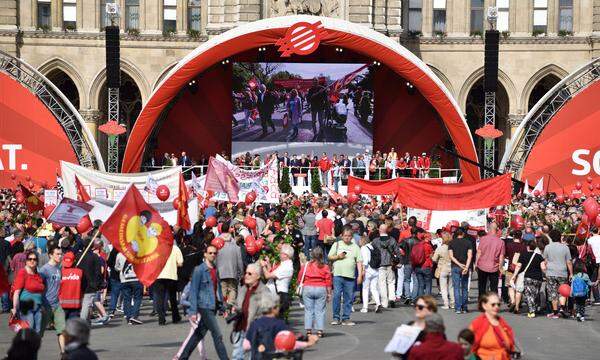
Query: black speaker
[(113, 65), (490, 77)]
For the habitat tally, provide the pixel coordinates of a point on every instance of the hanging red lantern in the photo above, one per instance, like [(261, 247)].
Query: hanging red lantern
[(211, 221), (48, 210), (162, 192), (84, 224)]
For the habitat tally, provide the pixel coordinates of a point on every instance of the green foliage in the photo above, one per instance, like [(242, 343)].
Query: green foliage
[(537, 33), (133, 32), (440, 34), (414, 34), (315, 184), (505, 34), (476, 33), (563, 33), (194, 34), (284, 181)]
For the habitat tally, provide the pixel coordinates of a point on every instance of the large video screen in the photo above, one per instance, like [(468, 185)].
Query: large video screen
[(303, 103)]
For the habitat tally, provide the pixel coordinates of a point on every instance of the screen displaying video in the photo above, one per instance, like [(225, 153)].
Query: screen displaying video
[(303, 103)]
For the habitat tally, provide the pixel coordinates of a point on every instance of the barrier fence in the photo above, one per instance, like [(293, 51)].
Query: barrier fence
[(301, 177)]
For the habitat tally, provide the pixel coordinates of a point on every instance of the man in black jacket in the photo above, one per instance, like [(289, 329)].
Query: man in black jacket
[(266, 106), (91, 266)]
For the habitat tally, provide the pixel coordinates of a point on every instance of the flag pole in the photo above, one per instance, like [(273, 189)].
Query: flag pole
[(88, 247)]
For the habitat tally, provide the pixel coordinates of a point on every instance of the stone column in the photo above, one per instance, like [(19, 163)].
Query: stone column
[(552, 26), (596, 18), (56, 15), (152, 16), (514, 120), (88, 16), (427, 18), (181, 17), (394, 17), (92, 117), (583, 17), (524, 18), (458, 14), (360, 12)]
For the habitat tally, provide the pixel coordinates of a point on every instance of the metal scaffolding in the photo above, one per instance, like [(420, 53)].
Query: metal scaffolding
[(113, 140), (81, 139), (489, 148)]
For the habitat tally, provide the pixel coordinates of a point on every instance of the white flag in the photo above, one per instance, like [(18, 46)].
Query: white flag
[(539, 186), (526, 188), (197, 188)]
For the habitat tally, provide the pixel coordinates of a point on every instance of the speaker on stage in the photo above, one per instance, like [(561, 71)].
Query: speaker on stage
[(490, 77), (113, 65)]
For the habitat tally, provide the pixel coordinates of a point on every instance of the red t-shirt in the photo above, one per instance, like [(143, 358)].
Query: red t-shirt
[(325, 227), (213, 276), (324, 164), (30, 282)]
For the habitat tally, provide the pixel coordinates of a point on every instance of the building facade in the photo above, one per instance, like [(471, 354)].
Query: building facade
[(541, 42)]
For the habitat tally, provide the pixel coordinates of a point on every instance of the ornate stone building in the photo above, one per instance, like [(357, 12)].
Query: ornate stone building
[(541, 42)]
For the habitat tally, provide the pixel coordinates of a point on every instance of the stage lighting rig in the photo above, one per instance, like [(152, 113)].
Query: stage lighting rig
[(225, 62), (193, 86), (337, 49), (410, 88), (377, 63)]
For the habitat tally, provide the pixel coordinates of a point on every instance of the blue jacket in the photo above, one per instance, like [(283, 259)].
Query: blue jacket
[(202, 295)]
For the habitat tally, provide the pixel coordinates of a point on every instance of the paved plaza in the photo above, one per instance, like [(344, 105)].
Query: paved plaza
[(539, 338)]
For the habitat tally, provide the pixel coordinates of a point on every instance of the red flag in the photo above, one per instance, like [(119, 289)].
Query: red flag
[(220, 178), (339, 84), (138, 232), (33, 202), (82, 195), (183, 217)]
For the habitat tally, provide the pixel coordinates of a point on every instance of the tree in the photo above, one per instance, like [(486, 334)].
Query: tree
[(284, 181), (315, 184)]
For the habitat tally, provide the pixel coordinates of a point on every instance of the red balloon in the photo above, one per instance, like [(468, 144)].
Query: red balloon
[(176, 203), (13, 176), (20, 197), (250, 197), (589, 179), (597, 186), (585, 219), (536, 193), (591, 208), (517, 222), (211, 221), (48, 210), (296, 203), (352, 198), (84, 224), (44, 184), (560, 199), (27, 178), (249, 240), (565, 290), (591, 187), (357, 189), (285, 341), (56, 227), (452, 225), (162, 192), (250, 223), (578, 185), (597, 222), (218, 243), (260, 243)]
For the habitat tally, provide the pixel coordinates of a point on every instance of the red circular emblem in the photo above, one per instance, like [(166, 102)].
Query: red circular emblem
[(302, 38)]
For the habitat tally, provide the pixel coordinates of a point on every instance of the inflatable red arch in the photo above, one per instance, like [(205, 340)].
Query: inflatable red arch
[(340, 33)]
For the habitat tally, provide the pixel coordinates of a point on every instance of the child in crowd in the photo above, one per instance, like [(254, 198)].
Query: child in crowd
[(580, 287), (466, 338)]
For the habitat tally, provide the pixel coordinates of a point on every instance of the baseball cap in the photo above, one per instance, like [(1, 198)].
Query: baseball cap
[(68, 259)]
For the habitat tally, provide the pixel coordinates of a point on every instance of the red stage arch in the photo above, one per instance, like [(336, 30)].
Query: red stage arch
[(339, 33)]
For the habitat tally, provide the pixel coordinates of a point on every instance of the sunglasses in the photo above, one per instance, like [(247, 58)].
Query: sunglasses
[(420, 307), (32, 259)]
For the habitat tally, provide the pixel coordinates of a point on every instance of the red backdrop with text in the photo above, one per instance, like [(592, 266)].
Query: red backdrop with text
[(32, 141), (568, 150)]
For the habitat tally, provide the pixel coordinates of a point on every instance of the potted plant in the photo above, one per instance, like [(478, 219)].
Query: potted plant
[(563, 33), (194, 34)]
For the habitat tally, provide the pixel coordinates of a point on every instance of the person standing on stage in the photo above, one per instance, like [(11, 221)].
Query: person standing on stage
[(266, 106)]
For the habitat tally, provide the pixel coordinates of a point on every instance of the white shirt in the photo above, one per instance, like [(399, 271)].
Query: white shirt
[(365, 253), (594, 242), (341, 108), (283, 276)]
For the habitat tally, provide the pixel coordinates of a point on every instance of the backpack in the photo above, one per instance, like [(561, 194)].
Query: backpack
[(375, 261), (417, 255), (579, 287)]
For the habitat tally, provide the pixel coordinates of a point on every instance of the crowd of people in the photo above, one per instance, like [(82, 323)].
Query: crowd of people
[(316, 251), (327, 107)]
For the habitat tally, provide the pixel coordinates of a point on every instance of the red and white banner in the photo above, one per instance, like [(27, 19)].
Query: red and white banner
[(69, 212), (432, 220), (231, 183)]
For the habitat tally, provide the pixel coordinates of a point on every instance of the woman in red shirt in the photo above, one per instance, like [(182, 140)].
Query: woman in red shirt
[(494, 338), (28, 289), (315, 280)]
